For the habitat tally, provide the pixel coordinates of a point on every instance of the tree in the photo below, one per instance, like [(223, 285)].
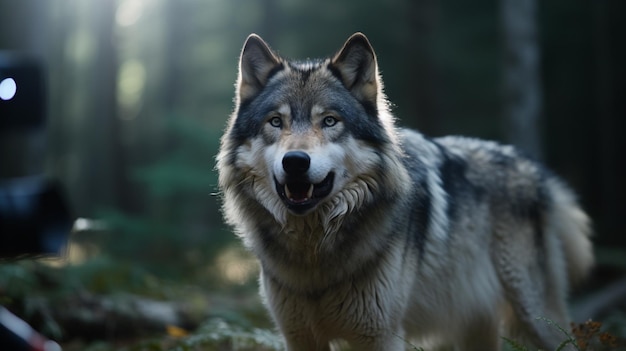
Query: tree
[(521, 76)]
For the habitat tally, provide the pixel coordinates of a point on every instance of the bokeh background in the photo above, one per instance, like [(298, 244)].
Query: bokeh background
[(139, 92)]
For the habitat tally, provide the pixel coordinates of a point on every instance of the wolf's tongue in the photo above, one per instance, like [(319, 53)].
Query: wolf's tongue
[(299, 192)]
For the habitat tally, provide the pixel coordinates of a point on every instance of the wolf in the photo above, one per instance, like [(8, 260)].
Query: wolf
[(379, 236)]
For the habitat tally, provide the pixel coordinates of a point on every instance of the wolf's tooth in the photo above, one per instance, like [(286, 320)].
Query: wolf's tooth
[(287, 192), (309, 193)]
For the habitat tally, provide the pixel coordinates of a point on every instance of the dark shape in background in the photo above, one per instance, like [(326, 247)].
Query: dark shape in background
[(34, 217)]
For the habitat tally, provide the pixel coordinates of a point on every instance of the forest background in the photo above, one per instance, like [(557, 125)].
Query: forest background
[(139, 92)]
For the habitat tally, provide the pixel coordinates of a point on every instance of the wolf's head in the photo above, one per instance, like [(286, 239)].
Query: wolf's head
[(308, 137)]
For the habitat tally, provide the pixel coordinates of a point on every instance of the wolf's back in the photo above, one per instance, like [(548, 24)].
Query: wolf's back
[(515, 181)]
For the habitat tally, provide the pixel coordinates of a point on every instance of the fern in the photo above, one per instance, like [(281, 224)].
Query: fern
[(515, 345), (569, 338), (408, 343)]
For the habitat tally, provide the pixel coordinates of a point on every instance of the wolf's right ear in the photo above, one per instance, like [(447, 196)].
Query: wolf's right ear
[(255, 65)]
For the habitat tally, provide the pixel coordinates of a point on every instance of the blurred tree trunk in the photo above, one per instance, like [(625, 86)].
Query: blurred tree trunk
[(521, 75), (86, 138), (177, 16), (100, 155), (420, 62), (106, 108)]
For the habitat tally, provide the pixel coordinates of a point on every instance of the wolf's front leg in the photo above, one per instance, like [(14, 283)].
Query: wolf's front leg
[(292, 316), (295, 325), (304, 341), (384, 342), (296, 331)]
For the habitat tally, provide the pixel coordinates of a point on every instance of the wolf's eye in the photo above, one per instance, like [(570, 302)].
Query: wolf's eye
[(276, 122), (329, 121)]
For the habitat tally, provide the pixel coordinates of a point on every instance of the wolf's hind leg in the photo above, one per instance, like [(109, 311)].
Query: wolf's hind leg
[(482, 334), (530, 285)]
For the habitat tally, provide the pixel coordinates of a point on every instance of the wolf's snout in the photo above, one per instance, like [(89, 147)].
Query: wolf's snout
[(296, 163), (298, 189)]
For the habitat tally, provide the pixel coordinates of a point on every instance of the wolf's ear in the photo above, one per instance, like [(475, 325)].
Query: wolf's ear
[(255, 65), (356, 65)]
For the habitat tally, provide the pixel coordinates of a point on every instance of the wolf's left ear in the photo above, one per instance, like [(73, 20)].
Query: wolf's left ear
[(255, 66), (356, 65)]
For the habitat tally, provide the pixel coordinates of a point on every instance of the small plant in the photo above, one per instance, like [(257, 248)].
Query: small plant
[(514, 345), (413, 347), (585, 336), (589, 337)]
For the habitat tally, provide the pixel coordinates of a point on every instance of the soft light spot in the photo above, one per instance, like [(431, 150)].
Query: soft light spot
[(130, 88), (8, 88), (236, 265), (129, 12)]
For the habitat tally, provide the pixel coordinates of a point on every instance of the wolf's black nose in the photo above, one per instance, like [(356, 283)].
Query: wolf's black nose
[(296, 162)]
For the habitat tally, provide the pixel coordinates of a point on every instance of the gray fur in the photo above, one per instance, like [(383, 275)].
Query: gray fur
[(386, 235)]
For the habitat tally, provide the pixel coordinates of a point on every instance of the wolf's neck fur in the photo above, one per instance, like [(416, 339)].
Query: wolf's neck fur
[(321, 226)]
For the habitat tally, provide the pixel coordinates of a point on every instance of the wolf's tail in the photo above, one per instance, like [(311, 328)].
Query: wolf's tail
[(573, 226)]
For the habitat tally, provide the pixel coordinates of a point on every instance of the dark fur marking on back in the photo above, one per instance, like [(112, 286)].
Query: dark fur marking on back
[(528, 202), (533, 210), (453, 173), (423, 213), (419, 220)]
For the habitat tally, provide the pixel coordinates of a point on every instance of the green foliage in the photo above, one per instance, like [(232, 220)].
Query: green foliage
[(175, 235), (219, 333), (569, 339), (514, 345), (214, 335), (188, 168), (105, 275), (413, 347), (16, 279)]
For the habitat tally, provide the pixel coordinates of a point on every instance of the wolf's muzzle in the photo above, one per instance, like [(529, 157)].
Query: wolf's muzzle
[(299, 193)]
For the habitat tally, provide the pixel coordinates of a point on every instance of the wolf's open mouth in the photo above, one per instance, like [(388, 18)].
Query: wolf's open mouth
[(300, 196)]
